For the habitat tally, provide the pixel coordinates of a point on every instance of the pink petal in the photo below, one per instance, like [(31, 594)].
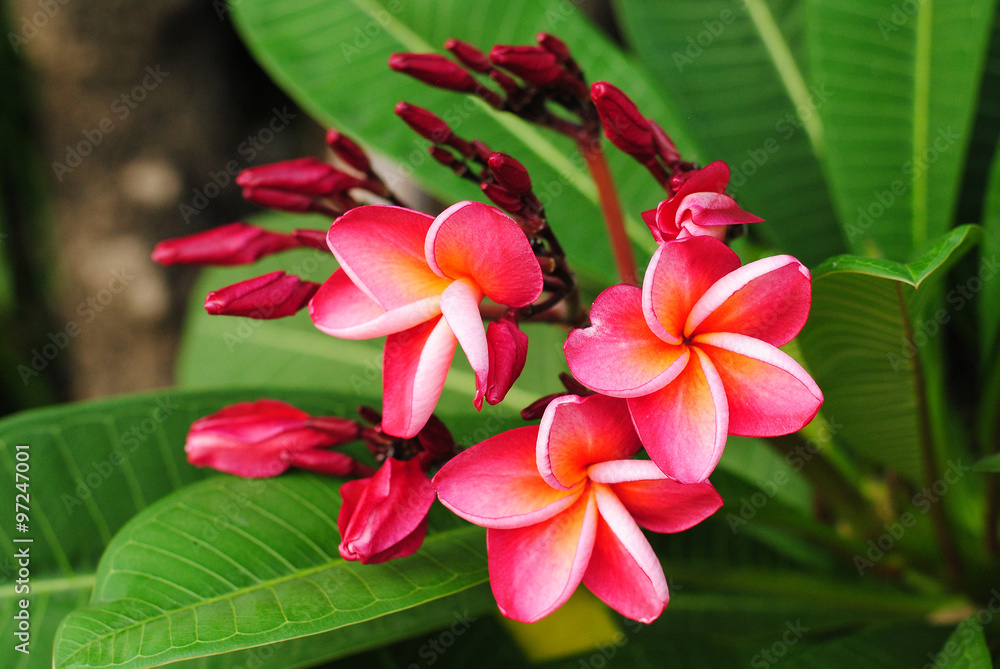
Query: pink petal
[(479, 242), (341, 309), (713, 178), (618, 355), (415, 364), (331, 463), (623, 471), (769, 393), (665, 505), (382, 249), (535, 569), (684, 425), (678, 275), (576, 432), (624, 572), (460, 307), (713, 209), (496, 483), (768, 299)]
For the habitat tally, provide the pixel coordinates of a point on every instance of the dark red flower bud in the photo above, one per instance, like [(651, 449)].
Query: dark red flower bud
[(536, 409), (555, 46), (482, 150), (443, 156), (436, 439), (348, 150), (508, 350), (510, 173), (624, 126), (502, 198), (273, 295), (433, 69), (425, 123), (313, 238), (469, 55), (278, 199), (233, 244), (534, 64)]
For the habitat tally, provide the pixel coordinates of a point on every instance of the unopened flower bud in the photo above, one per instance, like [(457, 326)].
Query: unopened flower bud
[(273, 295), (233, 244), (425, 123), (502, 197), (534, 64), (623, 125), (664, 145), (510, 173), (312, 238), (436, 439), (348, 150), (433, 69), (306, 176), (385, 516), (266, 437), (555, 46), (469, 55), (508, 350)]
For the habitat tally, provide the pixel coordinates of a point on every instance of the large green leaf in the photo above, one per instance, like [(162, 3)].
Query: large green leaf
[(230, 564), (903, 85), (331, 58), (989, 302), (863, 342), (966, 648), (92, 467), (879, 647), (739, 68)]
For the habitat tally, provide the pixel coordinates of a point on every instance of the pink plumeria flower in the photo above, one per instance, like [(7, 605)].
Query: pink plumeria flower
[(699, 207), (419, 280), (694, 352), (564, 503), (264, 438), (384, 517)]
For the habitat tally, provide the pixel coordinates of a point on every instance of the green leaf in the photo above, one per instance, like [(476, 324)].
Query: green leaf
[(331, 58), (989, 306), (862, 342), (92, 466), (878, 647), (903, 90), (739, 68), (228, 564), (989, 464), (966, 648)]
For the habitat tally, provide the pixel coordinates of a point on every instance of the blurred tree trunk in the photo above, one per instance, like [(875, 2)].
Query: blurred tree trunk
[(140, 104)]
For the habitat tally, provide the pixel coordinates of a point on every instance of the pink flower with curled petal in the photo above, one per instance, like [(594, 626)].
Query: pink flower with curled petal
[(564, 502), (266, 437), (699, 207), (420, 280), (384, 517), (695, 353)]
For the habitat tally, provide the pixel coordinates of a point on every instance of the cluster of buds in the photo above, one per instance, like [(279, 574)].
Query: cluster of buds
[(528, 79), (301, 185)]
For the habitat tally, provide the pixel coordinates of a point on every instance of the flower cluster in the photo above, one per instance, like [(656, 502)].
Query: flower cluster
[(672, 366)]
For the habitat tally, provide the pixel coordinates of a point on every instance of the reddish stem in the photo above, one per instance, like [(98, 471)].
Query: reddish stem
[(608, 196)]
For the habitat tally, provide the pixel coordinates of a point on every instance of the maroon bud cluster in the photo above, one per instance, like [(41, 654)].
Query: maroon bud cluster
[(433, 443)]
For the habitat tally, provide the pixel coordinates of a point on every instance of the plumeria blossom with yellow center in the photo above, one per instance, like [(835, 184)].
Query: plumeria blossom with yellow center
[(420, 280), (564, 503), (694, 352)]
